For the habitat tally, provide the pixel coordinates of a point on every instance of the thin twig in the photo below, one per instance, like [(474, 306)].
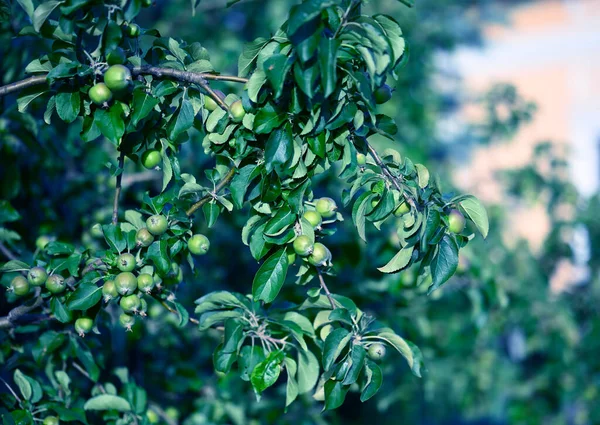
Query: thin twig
[(7, 252), (209, 197), (87, 375), (345, 18), (172, 310), (115, 216), (326, 289), (386, 171)]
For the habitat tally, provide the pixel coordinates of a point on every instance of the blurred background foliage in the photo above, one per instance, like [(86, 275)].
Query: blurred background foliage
[(500, 345)]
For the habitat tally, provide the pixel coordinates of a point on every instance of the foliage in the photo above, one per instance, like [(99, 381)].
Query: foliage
[(308, 107)]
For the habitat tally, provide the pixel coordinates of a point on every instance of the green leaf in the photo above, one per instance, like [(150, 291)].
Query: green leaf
[(335, 343), (400, 261), (249, 357), (335, 393), (374, 381), (357, 357), (42, 12), (107, 402), (85, 296), (444, 263), (157, 253), (303, 13), (28, 95), (270, 277), (406, 349), (143, 104), (59, 311), (422, 175), (183, 119), (67, 105), (240, 182), (476, 212), (266, 372), (308, 371), (7, 212), (14, 266), (281, 221), (110, 122), (114, 237), (276, 69), (23, 384), (328, 62), (249, 54), (279, 149), (267, 119), (291, 390)]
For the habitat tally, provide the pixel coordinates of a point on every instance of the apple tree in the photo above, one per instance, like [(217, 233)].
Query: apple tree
[(306, 105)]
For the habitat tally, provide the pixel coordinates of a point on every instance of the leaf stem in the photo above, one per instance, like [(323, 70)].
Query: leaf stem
[(220, 186)]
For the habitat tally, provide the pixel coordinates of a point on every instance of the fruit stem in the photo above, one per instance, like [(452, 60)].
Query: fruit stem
[(326, 289), (172, 310), (222, 184), (115, 215)]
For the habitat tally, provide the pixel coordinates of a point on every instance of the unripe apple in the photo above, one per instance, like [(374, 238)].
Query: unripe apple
[(303, 245), (326, 207), (456, 221)]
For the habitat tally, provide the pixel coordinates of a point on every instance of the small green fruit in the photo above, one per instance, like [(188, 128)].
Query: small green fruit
[(361, 159), (37, 276), (109, 290), (117, 77), (133, 30), (376, 351), (237, 111), (326, 207), (116, 57), (157, 224), (144, 238), (145, 282), (291, 257), (209, 102), (100, 94), (126, 262), (383, 94), (42, 241), (55, 284), (313, 217), (152, 416), (83, 325), (456, 221), (51, 420), (303, 245), (20, 286), (127, 321), (402, 209), (198, 244), (130, 303), (126, 283), (320, 255), (151, 159)]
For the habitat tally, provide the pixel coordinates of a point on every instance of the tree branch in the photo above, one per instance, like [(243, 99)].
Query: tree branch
[(11, 320), (199, 78), (386, 171), (23, 84), (115, 215), (7, 252), (326, 289), (209, 197)]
